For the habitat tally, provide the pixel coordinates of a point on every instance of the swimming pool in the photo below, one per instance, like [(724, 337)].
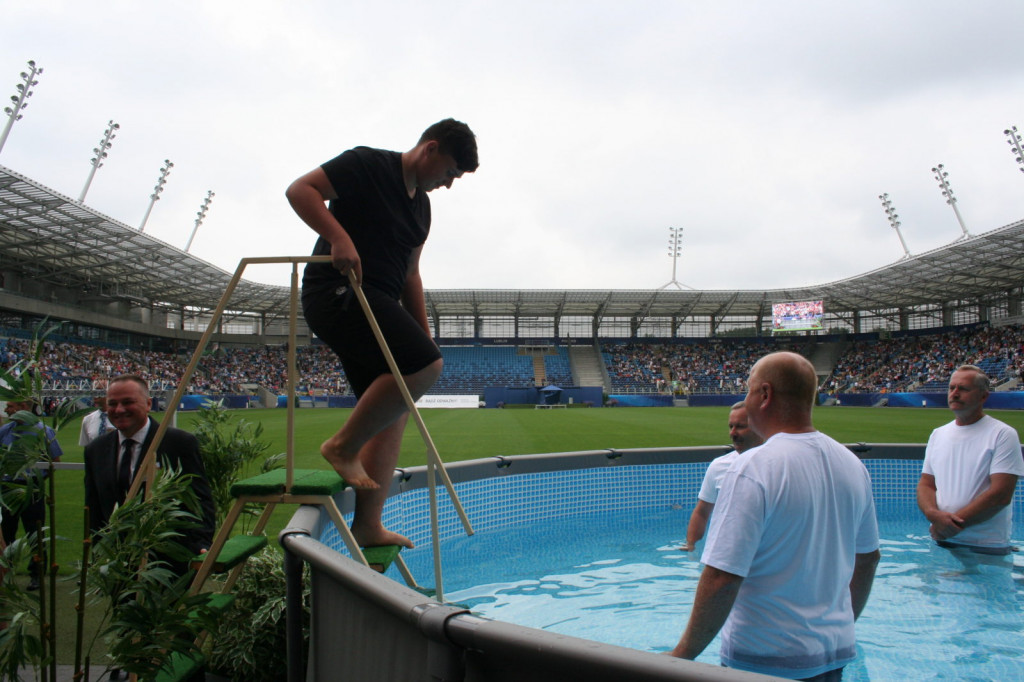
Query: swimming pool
[(524, 562), (952, 615)]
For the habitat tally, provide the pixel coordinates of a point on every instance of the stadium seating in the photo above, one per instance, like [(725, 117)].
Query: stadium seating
[(468, 370), (558, 369), (913, 361)]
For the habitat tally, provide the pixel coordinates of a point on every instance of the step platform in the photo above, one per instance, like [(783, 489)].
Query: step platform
[(180, 667), (236, 550), (304, 482)]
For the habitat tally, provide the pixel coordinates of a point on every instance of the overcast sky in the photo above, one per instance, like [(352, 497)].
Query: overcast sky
[(766, 130)]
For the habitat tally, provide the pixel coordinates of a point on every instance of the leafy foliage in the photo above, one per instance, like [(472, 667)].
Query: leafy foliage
[(20, 641), (147, 613), (28, 639), (250, 641), (227, 451)]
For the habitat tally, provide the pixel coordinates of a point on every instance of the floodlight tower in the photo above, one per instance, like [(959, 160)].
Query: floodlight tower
[(19, 101), (200, 216), (947, 191), (1014, 142), (101, 153), (155, 196), (675, 248), (894, 220)]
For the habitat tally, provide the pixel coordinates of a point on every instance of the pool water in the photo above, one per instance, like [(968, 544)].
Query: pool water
[(933, 613)]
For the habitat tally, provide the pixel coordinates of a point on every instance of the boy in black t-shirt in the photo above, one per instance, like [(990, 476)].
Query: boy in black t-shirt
[(374, 230)]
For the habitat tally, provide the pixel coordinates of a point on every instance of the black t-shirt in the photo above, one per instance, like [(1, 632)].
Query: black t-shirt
[(374, 208)]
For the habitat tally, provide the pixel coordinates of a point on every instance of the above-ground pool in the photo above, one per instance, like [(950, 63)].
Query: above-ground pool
[(594, 553)]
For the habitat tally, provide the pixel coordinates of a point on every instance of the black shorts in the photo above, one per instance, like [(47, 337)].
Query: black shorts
[(336, 317)]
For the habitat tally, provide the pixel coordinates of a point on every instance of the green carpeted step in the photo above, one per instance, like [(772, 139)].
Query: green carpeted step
[(380, 558), (219, 602), (236, 550), (180, 667), (304, 482)]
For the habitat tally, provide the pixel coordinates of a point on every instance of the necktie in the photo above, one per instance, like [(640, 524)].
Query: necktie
[(124, 470)]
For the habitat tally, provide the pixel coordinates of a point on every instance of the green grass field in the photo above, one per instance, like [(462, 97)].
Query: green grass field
[(471, 434)]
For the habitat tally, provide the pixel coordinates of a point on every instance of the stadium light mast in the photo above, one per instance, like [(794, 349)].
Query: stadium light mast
[(19, 101), (675, 248), (894, 220), (1014, 142), (200, 216), (155, 196), (101, 153), (947, 191)]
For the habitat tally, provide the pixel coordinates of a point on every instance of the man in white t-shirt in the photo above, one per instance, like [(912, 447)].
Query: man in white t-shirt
[(793, 544), (743, 438), (970, 471)]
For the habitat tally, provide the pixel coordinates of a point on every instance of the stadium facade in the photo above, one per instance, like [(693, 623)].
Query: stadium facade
[(106, 281)]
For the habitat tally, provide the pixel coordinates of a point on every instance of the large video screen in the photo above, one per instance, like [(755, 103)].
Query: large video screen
[(797, 316)]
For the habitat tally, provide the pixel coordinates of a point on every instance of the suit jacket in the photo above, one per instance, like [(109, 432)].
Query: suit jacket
[(178, 449)]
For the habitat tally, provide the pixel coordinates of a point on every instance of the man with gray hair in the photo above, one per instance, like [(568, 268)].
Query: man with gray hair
[(970, 471), (743, 438)]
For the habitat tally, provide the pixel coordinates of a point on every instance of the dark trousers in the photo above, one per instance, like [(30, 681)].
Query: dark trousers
[(831, 676), (835, 675)]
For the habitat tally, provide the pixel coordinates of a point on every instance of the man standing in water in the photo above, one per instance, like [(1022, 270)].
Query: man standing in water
[(970, 471), (743, 438), (793, 545), (374, 230)]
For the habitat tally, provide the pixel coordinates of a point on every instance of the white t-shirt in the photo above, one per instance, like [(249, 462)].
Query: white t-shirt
[(961, 458), (790, 519), (713, 477)]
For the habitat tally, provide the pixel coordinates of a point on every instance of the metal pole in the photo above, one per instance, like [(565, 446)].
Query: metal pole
[(199, 218), (1014, 141), (18, 101), (155, 196), (947, 191), (675, 248), (101, 153), (894, 221), (293, 615)]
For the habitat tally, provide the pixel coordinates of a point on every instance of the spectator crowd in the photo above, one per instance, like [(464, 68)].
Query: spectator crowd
[(78, 366), (924, 363), (912, 362)]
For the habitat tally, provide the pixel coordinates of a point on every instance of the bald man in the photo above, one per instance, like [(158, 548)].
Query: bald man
[(793, 544)]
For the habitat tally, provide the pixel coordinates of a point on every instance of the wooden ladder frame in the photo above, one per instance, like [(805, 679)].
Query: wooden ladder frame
[(147, 466)]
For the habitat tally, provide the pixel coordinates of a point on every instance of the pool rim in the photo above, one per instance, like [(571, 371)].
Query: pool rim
[(467, 637)]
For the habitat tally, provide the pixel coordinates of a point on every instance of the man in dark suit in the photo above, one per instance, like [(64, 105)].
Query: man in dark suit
[(111, 460)]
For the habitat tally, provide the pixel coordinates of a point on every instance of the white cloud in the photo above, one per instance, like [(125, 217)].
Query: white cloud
[(765, 130)]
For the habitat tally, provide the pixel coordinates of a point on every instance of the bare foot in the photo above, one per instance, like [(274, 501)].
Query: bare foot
[(349, 468), (380, 537)]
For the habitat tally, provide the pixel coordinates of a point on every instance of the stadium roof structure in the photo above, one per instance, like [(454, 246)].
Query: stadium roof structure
[(51, 238)]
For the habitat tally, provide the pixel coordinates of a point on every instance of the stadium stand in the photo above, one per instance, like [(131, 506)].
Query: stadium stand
[(910, 362), (471, 369), (558, 368), (148, 319), (924, 362)]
